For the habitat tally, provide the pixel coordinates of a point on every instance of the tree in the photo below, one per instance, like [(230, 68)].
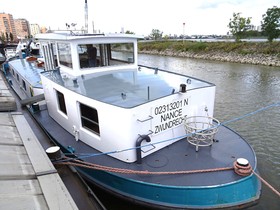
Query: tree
[(2, 38), (7, 37), (271, 23), (129, 32), (156, 34), (239, 25), (11, 37)]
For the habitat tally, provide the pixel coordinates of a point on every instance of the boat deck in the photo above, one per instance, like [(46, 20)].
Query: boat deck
[(228, 147), (28, 70)]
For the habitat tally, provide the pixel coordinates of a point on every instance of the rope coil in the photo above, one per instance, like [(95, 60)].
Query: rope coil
[(242, 170)]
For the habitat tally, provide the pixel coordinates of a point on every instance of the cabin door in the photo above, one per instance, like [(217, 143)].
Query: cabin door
[(48, 53)]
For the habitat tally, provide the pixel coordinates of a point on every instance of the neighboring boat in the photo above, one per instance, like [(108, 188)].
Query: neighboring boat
[(10, 52), (28, 46), (2, 58), (144, 134), (23, 66)]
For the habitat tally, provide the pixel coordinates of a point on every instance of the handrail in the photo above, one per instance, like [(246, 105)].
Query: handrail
[(149, 118)]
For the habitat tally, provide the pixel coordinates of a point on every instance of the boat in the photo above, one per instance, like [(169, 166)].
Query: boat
[(10, 52), (25, 68), (28, 46), (144, 134), (2, 58)]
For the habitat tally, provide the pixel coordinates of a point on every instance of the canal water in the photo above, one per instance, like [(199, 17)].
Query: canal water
[(240, 89)]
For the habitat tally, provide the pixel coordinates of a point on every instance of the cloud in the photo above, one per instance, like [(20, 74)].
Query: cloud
[(219, 3)]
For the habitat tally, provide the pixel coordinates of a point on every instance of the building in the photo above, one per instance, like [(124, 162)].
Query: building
[(44, 29), (34, 29), (22, 28), (7, 25)]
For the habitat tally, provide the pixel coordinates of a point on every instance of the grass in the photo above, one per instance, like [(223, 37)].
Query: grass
[(206, 47)]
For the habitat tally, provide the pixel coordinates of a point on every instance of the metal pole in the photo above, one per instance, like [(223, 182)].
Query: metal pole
[(184, 32), (86, 17)]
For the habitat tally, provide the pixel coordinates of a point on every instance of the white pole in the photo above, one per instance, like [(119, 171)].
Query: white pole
[(86, 17), (184, 32)]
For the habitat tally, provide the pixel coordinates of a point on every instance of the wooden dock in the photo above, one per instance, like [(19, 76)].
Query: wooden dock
[(28, 179)]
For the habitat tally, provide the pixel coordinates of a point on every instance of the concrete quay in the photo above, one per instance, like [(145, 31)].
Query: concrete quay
[(7, 101), (28, 179)]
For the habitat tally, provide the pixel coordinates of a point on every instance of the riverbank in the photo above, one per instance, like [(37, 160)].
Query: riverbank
[(267, 54)]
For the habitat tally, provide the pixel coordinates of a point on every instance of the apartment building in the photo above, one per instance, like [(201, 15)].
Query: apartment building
[(7, 25), (22, 28), (34, 29)]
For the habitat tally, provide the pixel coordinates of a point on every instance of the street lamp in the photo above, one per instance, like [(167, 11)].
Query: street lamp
[(184, 32)]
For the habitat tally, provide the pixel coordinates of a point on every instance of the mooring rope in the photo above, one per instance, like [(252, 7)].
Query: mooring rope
[(238, 169), (247, 170), (251, 113), (267, 184), (84, 164)]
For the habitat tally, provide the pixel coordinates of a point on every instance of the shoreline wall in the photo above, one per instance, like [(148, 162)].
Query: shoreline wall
[(256, 59)]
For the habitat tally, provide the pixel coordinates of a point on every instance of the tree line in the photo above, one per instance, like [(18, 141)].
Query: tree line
[(270, 24), (5, 38), (240, 27)]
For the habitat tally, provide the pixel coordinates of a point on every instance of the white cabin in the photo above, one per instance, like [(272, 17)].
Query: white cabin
[(95, 89)]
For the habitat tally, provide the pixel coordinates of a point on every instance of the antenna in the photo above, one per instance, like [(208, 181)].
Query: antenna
[(86, 17)]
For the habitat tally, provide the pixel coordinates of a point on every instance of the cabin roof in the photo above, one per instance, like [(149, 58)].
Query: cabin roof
[(127, 88), (71, 36)]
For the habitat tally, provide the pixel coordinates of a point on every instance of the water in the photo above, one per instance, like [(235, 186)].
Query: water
[(241, 89)]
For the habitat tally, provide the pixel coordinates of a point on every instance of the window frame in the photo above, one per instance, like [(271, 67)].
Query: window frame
[(89, 118), (107, 55), (65, 60), (61, 102), (24, 85)]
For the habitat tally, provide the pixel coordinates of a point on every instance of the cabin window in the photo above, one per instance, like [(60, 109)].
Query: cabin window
[(89, 118), (17, 77), (64, 54), (24, 85), (61, 102), (89, 55), (122, 52), (31, 91), (98, 55)]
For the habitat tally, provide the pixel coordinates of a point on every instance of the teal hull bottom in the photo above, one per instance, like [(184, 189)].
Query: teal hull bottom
[(242, 193)]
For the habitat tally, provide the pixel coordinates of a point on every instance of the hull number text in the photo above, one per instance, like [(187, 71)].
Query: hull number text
[(169, 115)]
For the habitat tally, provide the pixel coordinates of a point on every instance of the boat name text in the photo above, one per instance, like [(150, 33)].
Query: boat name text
[(169, 115)]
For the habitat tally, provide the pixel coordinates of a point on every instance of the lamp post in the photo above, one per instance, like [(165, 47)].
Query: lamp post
[(184, 32)]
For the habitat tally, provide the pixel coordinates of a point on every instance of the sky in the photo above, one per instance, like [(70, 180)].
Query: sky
[(201, 17)]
